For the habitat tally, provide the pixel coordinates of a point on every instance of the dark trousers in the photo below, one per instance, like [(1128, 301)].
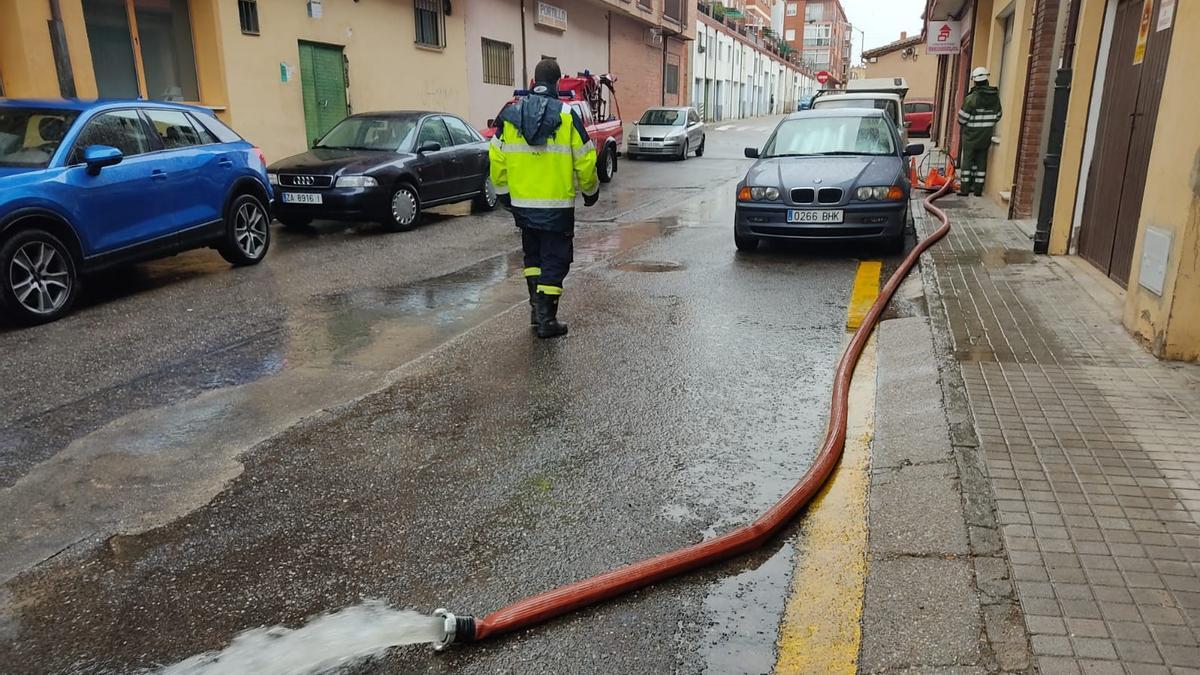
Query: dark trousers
[(972, 168), (548, 256)]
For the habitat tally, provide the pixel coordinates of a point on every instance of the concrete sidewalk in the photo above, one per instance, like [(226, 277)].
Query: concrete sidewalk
[(1090, 446)]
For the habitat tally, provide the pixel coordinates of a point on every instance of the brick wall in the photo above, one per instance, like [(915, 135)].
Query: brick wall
[(1035, 109), (638, 67)]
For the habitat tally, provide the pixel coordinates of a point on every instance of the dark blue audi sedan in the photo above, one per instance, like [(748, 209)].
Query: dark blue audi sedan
[(87, 185), (837, 174)]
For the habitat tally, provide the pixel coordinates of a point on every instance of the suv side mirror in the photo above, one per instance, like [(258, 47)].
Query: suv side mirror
[(491, 122), (752, 153), (428, 146), (914, 149), (99, 156)]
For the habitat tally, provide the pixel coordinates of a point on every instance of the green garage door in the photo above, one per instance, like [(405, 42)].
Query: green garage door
[(323, 79)]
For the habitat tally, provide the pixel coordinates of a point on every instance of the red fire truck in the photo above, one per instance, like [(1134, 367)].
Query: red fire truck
[(595, 100)]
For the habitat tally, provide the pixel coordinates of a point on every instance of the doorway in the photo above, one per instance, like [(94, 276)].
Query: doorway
[(323, 81), (1116, 180)]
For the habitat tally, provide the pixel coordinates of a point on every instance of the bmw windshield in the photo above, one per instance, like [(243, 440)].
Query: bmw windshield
[(369, 133), (30, 136), (809, 136)]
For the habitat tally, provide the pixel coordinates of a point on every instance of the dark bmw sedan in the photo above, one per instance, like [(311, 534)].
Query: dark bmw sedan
[(385, 167), (836, 174)]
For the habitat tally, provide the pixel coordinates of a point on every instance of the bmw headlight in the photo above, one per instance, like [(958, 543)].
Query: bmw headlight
[(878, 193), (768, 194), (356, 182), (273, 178)]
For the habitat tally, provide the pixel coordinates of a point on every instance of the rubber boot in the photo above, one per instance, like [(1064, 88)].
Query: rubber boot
[(532, 283), (546, 310)]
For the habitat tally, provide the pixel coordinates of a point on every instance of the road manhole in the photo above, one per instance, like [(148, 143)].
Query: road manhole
[(648, 266)]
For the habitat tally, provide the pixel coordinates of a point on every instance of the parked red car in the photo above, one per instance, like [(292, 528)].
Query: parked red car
[(601, 116), (918, 116)]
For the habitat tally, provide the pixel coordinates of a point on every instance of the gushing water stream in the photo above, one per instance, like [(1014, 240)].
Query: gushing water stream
[(326, 643)]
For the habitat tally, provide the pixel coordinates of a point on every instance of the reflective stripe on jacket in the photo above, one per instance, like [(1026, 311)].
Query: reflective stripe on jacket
[(979, 114), (544, 176)]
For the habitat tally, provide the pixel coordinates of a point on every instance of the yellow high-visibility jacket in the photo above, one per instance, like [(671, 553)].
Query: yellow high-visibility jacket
[(546, 176)]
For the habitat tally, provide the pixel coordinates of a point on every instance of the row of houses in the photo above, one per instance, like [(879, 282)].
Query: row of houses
[(1098, 144), (734, 77), (284, 71)]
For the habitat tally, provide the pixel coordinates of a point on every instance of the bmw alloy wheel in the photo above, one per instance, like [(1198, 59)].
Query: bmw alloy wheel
[(40, 278), (250, 229)]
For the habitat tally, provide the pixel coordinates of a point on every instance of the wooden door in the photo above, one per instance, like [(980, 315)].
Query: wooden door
[(323, 81)]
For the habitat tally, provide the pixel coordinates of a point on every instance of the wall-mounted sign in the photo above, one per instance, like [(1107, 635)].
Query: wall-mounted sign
[(1166, 14), (943, 37), (1139, 52), (314, 9), (551, 16), (286, 72)]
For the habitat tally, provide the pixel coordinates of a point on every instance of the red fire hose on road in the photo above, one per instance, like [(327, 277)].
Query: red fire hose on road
[(564, 599)]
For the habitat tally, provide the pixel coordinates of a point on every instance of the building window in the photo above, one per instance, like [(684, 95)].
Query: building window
[(814, 12), (248, 14), (673, 9), (789, 35), (791, 9), (646, 4), (160, 65), (672, 79), (497, 62), (431, 23)]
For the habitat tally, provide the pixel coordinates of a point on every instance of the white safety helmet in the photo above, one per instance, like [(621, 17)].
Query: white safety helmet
[(980, 74)]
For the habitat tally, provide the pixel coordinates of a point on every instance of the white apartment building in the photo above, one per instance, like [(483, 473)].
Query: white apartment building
[(734, 79)]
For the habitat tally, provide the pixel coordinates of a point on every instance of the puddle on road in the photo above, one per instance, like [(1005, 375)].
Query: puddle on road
[(743, 612), (648, 266), (169, 459)]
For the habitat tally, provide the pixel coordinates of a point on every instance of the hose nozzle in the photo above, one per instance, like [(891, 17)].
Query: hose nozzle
[(455, 629)]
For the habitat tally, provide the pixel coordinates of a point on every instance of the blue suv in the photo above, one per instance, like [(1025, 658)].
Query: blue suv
[(88, 185)]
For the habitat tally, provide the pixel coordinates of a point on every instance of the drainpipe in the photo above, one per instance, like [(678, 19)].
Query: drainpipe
[(1054, 143), (664, 69), (524, 56), (62, 56)]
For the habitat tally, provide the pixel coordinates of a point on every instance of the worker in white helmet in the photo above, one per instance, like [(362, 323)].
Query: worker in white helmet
[(977, 119)]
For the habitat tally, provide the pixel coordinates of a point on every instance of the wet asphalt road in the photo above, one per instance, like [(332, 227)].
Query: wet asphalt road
[(199, 450)]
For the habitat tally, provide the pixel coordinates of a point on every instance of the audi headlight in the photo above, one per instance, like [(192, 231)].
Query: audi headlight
[(356, 182), (273, 178), (767, 194)]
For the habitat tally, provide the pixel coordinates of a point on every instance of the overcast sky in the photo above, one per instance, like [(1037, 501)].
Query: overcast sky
[(882, 20)]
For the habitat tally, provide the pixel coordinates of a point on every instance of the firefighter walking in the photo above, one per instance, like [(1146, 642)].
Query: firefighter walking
[(977, 119), (540, 153)]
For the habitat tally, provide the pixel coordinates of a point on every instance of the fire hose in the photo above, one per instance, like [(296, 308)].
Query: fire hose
[(564, 599)]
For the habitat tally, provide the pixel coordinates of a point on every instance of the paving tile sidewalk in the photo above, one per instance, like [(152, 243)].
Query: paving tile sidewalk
[(1092, 449)]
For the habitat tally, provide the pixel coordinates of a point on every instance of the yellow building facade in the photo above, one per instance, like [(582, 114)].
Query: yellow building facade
[(1127, 195), (905, 58), (278, 72)]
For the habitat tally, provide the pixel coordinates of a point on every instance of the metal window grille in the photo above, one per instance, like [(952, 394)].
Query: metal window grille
[(498, 62), (431, 23), (248, 14), (672, 83)]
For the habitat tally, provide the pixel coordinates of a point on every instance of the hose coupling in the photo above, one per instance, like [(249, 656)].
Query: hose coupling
[(455, 629)]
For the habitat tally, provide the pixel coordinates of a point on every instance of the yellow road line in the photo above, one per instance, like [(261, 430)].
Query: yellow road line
[(866, 289), (822, 622)]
